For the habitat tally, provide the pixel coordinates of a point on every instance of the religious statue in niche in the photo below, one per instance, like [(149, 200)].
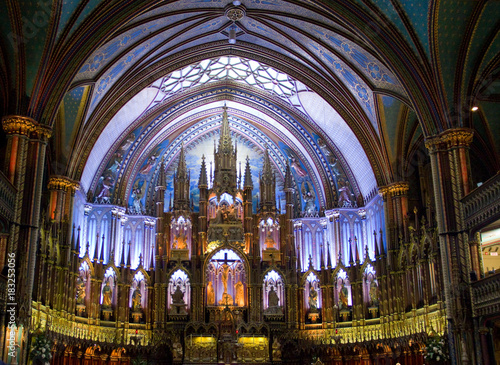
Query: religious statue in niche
[(136, 300), (107, 295), (210, 294), (343, 297), (269, 242), (240, 294), (272, 298), (276, 350), (180, 241), (177, 350), (374, 297), (225, 214), (178, 304), (227, 299), (80, 290), (178, 296), (313, 299)]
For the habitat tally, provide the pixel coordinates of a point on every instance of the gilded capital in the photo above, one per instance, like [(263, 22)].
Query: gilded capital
[(57, 182), (457, 137), (42, 131), (395, 189), (15, 124)]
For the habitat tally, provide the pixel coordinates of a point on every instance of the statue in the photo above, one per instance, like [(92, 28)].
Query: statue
[(240, 294), (178, 296), (136, 300), (373, 294), (177, 351), (343, 294), (80, 290), (225, 274), (272, 298), (220, 214), (270, 244), (180, 242), (226, 298), (210, 294), (276, 350), (107, 295), (313, 299)]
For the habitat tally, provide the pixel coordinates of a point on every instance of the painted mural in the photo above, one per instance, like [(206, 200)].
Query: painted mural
[(308, 193), (137, 197), (104, 190)]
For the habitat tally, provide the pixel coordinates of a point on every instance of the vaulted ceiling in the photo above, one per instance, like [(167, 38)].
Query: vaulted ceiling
[(345, 91)]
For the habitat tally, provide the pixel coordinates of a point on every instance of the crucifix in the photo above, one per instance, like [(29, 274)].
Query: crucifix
[(226, 298)]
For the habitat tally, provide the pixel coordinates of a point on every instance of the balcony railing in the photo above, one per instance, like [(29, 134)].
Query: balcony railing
[(481, 204), (486, 294)]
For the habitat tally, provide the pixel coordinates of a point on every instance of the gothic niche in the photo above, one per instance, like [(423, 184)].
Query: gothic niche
[(312, 294), (82, 288), (226, 280), (108, 294), (225, 217), (269, 239), (343, 292), (137, 296), (180, 238), (179, 294), (370, 290), (274, 294)]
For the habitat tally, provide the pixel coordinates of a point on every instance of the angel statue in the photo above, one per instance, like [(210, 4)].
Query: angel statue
[(309, 197)]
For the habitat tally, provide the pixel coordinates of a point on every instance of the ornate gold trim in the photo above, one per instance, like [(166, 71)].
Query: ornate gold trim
[(395, 189), (64, 183)]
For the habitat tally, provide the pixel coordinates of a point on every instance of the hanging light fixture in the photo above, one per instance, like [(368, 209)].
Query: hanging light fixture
[(232, 34)]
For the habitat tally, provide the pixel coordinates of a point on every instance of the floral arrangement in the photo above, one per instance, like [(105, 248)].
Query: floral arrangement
[(436, 349), (40, 350)]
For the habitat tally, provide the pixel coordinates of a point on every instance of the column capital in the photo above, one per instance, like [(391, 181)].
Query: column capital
[(57, 182), (16, 124), (42, 132), (395, 189), (456, 137)]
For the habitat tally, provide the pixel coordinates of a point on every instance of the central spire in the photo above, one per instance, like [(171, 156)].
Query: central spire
[(225, 176), (225, 142)]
